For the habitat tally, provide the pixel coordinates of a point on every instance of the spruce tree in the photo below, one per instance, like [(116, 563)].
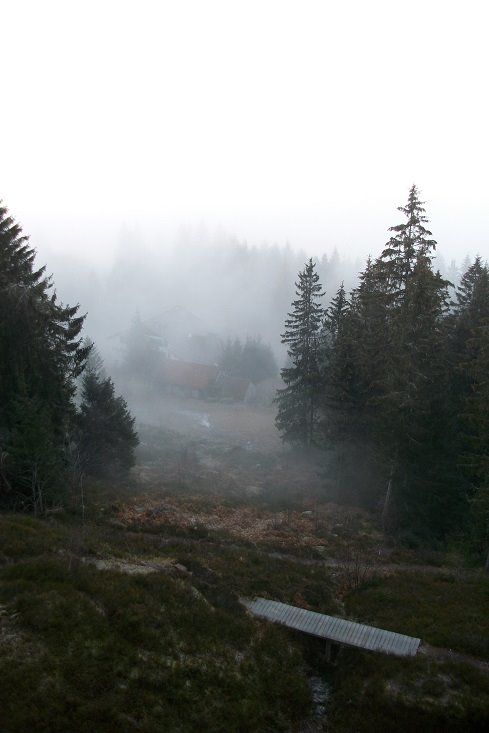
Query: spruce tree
[(470, 309), (469, 396), (335, 365), (355, 334), (107, 436), (337, 391), (475, 442), (387, 375), (410, 242), (336, 314), (36, 458), (299, 401), (410, 389), (42, 355), (252, 360), (142, 358), (472, 293)]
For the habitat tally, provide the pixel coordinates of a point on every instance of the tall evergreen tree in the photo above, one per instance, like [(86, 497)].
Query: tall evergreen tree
[(469, 395), (142, 357), (412, 385), (107, 436), (390, 376), (471, 307), (355, 335), (471, 293), (410, 242), (299, 401), (336, 314), (368, 334), (252, 360), (475, 443), (334, 356), (42, 355)]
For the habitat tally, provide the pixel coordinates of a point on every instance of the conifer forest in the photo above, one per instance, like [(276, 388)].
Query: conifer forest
[(390, 378)]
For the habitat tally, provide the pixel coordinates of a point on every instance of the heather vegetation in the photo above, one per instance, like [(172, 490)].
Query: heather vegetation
[(132, 620)]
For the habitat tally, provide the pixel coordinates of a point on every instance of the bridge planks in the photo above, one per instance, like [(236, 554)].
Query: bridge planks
[(336, 630)]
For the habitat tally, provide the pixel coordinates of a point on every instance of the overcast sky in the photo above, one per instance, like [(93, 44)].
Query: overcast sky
[(302, 121)]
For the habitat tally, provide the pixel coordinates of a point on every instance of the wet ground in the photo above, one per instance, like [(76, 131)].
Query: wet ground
[(234, 423)]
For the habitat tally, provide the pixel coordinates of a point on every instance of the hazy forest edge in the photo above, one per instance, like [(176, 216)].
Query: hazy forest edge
[(387, 380), (47, 441), (391, 381)]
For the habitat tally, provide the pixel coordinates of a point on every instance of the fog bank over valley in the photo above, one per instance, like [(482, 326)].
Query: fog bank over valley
[(196, 282)]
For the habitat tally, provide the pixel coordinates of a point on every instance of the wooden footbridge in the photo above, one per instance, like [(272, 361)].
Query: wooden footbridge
[(332, 629)]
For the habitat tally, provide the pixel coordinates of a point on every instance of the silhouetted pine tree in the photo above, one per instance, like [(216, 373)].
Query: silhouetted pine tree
[(107, 437), (410, 242), (41, 357), (475, 421), (335, 364), (469, 395), (142, 357), (355, 334), (299, 401), (471, 305), (252, 360), (409, 393), (37, 458), (387, 375)]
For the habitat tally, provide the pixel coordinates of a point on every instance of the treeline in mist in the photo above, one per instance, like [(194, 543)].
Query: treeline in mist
[(392, 374), (211, 286), (48, 439), (392, 379)]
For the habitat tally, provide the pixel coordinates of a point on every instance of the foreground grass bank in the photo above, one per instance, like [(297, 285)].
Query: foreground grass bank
[(105, 650), (105, 627)]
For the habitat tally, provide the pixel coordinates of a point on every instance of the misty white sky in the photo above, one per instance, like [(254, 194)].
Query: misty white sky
[(275, 120)]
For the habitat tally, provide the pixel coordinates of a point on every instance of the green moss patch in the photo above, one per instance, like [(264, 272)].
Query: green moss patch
[(441, 609), (107, 651), (23, 536), (379, 693)]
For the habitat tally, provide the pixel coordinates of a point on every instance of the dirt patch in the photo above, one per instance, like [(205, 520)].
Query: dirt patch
[(327, 522), (131, 568), (448, 655)]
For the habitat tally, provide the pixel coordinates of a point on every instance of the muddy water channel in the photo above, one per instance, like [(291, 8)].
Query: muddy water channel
[(321, 692)]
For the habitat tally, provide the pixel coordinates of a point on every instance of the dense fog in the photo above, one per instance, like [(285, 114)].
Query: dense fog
[(199, 283)]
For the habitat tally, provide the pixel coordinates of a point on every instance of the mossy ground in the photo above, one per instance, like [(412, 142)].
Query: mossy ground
[(109, 651), (87, 648), (375, 693), (446, 609)]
